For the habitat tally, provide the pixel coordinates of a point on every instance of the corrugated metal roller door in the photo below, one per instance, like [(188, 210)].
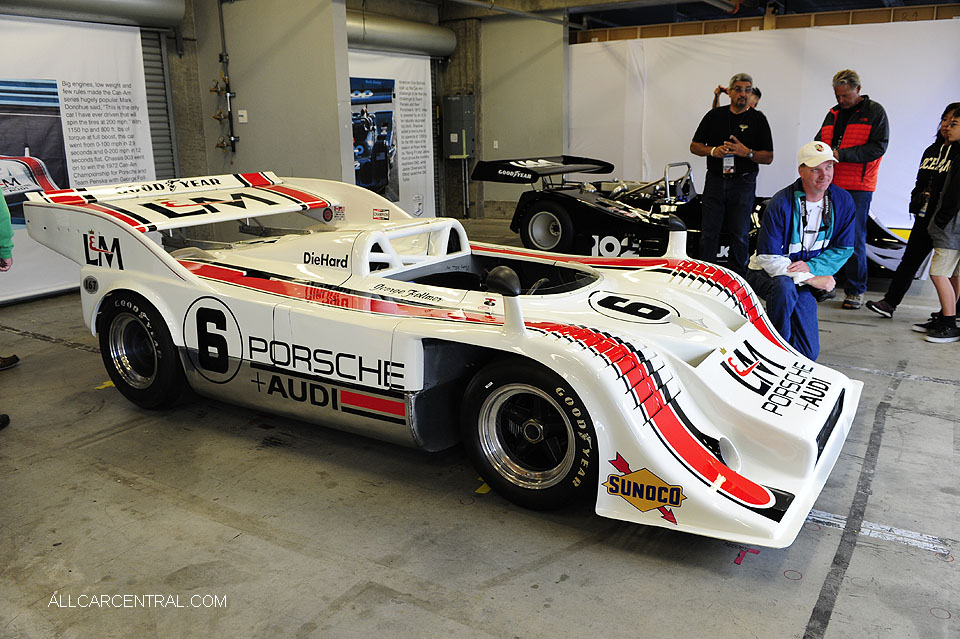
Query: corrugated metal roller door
[(158, 104)]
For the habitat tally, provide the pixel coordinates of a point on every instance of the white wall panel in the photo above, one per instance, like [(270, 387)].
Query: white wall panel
[(907, 66)]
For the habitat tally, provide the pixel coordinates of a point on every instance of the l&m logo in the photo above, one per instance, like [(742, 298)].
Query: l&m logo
[(752, 369), (643, 490), (99, 251)]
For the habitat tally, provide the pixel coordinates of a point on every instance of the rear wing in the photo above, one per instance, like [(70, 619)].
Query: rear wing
[(180, 203), (529, 170)]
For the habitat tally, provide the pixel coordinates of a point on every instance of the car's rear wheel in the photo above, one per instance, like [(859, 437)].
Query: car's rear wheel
[(529, 435), (546, 226), (138, 352)]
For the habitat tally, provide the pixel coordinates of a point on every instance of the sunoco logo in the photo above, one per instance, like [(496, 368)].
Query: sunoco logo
[(643, 490)]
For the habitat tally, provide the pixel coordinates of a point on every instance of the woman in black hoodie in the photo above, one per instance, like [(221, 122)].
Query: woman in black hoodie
[(934, 165)]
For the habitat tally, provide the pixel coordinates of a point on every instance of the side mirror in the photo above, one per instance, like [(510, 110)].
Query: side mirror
[(677, 239), (503, 280)]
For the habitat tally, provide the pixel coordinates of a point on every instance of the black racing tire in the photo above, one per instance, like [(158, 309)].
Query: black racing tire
[(546, 226), (529, 435), (138, 352)]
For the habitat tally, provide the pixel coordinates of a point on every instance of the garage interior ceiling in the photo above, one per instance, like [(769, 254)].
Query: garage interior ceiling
[(594, 14)]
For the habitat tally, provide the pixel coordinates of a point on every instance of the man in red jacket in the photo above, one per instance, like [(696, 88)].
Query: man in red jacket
[(857, 131)]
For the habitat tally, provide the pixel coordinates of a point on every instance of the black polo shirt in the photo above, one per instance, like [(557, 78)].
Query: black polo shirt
[(750, 127)]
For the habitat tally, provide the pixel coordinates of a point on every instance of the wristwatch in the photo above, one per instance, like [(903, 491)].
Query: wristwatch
[(750, 155)]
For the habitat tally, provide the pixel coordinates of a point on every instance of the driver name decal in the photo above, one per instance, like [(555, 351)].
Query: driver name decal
[(643, 490), (780, 385)]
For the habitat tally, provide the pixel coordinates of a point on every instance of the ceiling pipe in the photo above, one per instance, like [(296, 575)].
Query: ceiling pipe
[(489, 5), (144, 13), (384, 33), (729, 7)]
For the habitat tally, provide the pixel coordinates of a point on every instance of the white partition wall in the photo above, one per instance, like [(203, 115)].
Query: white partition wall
[(85, 81), (637, 103)]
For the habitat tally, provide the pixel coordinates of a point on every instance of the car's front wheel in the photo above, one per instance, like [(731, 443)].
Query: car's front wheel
[(138, 352), (529, 435), (546, 226)]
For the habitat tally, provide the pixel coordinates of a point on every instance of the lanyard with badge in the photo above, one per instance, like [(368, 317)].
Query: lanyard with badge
[(805, 245), (729, 160)]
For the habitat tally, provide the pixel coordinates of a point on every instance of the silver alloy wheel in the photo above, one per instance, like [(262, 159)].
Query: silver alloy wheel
[(132, 351), (526, 437), (545, 229)]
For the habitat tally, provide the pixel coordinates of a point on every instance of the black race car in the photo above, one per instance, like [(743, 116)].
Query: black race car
[(608, 219), (612, 219)]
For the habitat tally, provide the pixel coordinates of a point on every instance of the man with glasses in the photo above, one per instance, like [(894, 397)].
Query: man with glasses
[(735, 139), (857, 131), (806, 235)]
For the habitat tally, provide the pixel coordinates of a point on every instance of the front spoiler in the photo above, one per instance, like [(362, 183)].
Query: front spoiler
[(703, 511)]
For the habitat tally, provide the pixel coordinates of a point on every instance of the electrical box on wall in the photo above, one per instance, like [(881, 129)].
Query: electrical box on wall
[(459, 127)]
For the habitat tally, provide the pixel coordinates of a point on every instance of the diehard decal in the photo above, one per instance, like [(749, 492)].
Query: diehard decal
[(323, 259), (644, 490)]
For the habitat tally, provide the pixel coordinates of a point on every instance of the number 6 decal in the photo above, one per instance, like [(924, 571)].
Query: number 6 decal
[(214, 343), (632, 308)]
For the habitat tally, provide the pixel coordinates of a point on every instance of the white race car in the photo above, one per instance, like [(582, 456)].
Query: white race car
[(654, 387)]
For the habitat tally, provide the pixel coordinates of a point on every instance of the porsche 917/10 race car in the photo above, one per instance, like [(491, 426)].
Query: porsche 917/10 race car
[(654, 387), (626, 219)]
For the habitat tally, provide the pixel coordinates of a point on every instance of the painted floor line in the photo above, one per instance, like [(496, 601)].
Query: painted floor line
[(895, 374), (879, 531)]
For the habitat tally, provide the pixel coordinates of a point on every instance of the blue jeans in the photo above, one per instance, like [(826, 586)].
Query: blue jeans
[(727, 201), (855, 270), (792, 310)]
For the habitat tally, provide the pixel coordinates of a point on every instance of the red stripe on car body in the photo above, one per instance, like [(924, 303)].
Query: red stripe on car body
[(379, 404)]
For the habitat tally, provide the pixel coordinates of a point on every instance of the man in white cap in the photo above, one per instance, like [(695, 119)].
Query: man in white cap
[(807, 234)]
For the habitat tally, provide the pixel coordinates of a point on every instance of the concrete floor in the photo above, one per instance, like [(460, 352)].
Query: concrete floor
[(290, 530)]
